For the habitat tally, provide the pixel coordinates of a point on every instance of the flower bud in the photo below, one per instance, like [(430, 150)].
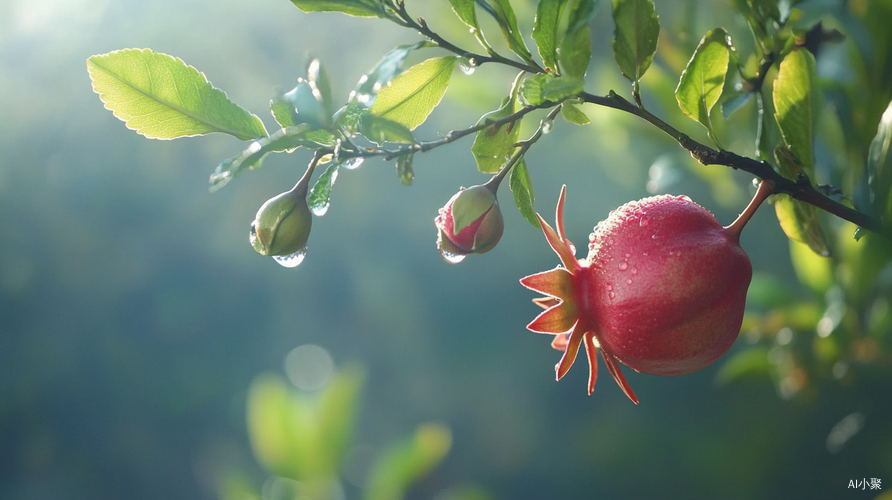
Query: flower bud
[(471, 222), (282, 225)]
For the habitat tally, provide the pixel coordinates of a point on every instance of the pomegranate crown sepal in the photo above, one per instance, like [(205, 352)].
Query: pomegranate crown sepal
[(563, 313)]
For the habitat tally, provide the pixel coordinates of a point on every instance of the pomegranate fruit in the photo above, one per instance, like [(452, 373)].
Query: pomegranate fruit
[(661, 291)]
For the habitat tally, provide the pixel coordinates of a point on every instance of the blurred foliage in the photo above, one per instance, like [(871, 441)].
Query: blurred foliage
[(305, 440)]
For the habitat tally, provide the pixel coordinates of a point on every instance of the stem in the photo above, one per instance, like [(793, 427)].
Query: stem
[(766, 188), (493, 183), (302, 187), (800, 189)]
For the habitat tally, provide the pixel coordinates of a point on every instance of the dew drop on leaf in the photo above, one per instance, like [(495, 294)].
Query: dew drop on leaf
[(292, 260)]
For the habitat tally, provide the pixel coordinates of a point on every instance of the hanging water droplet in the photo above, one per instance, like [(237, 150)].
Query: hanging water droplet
[(353, 163), (623, 266), (320, 210), (467, 65), (547, 126), (452, 258), (252, 235), (292, 260)]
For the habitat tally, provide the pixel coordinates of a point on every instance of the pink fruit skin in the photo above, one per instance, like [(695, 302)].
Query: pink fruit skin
[(665, 284)]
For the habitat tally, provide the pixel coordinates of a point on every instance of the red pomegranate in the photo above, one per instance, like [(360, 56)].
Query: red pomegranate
[(662, 290)]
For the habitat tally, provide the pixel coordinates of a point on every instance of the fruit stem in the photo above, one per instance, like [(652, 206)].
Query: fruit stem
[(766, 188)]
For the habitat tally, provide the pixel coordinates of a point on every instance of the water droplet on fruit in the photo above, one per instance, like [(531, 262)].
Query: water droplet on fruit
[(353, 163), (623, 266), (292, 260)]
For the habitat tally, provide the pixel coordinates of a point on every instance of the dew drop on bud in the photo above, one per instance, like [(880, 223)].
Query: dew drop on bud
[(353, 163), (643, 221), (684, 198), (629, 281), (292, 260), (611, 295), (452, 258), (252, 235), (623, 266), (634, 271)]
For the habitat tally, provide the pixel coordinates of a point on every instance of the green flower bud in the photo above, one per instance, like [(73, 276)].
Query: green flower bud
[(282, 225), (471, 222)]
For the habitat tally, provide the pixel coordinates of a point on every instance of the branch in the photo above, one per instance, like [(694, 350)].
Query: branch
[(800, 189), (405, 20), (451, 136)]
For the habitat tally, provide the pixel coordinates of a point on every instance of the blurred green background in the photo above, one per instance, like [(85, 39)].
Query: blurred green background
[(134, 315)]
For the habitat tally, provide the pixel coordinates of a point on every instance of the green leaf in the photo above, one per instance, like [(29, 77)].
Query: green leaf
[(413, 95), (796, 104), (545, 30), (493, 146), (575, 48), (745, 363), (282, 111), (279, 427), (404, 168), (380, 130), (503, 13), (635, 36), (350, 116), (735, 101), (798, 219), (318, 79), (466, 11), (337, 412), (319, 198), (385, 71), (879, 166), (574, 115), (285, 139), (405, 462), (703, 80), (161, 97), (813, 270), (308, 105), (543, 87), (522, 189), (358, 8)]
